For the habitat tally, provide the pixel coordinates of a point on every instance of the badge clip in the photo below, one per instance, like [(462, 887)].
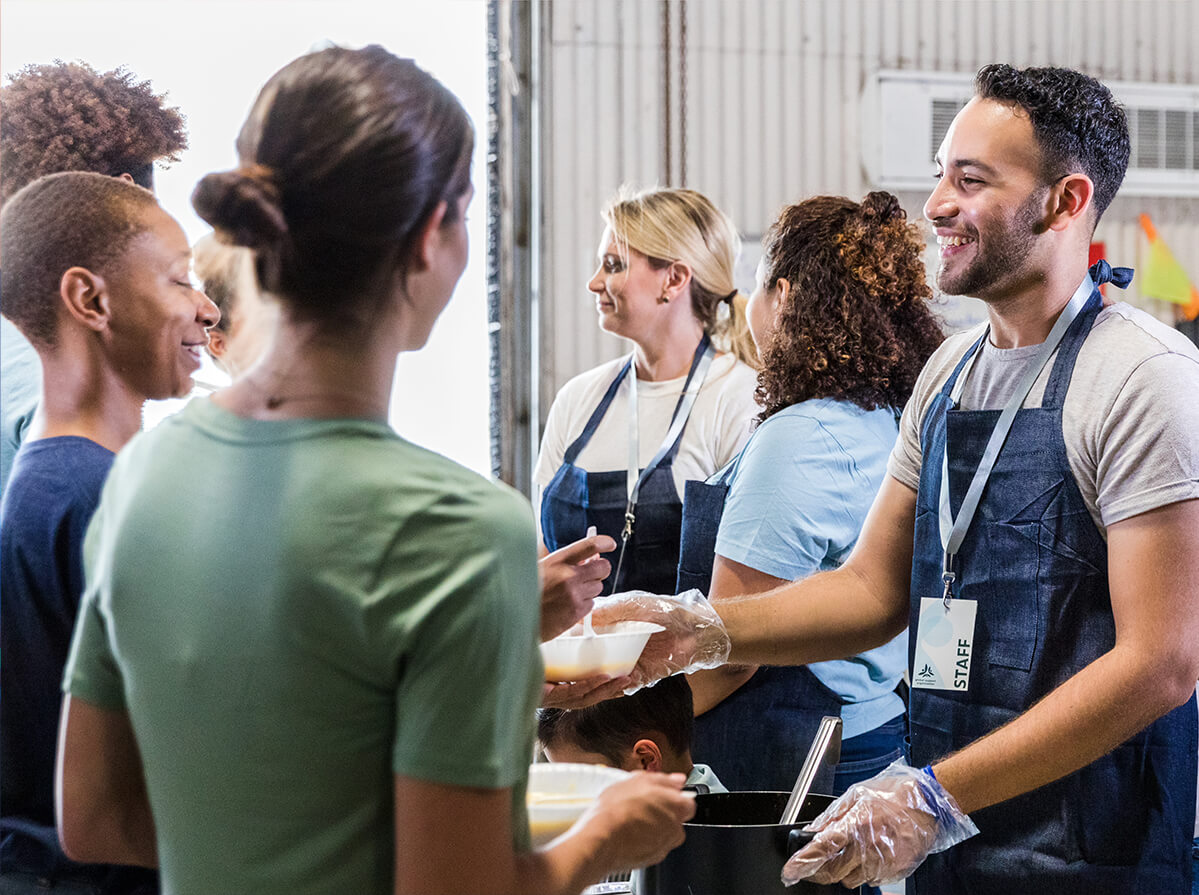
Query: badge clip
[(948, 576)]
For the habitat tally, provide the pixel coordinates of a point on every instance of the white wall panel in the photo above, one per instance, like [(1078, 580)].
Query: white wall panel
[(772, 111)]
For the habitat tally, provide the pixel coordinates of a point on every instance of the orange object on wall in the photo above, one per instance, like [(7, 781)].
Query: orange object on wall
[(1097, 251)]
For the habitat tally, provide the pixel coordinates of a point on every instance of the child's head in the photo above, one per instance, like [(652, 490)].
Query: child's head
[(650, 730)]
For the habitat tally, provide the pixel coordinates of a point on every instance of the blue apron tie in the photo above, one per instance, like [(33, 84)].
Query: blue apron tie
[(1102, 272)]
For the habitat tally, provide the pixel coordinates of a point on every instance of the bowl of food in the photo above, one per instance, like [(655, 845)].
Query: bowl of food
[(611, 649), (559, 793)]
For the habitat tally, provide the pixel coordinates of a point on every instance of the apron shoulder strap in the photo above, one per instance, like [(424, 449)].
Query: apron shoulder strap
[(1067, 352), (947, 388), (597, 415)]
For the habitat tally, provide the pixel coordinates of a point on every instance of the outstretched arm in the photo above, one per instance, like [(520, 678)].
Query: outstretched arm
[(840, 613), (849, 610)]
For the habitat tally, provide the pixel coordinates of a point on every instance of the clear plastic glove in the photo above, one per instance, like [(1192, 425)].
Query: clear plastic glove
[(880, 830), (694, 638)]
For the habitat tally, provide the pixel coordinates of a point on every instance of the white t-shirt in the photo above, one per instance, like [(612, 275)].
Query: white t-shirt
[(1130, 418), (717, 429)]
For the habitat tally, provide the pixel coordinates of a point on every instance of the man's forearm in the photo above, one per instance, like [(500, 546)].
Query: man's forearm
[(1087, 716), (830, 615)]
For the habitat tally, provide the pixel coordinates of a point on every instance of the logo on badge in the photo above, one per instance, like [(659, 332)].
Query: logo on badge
[(926, 673)]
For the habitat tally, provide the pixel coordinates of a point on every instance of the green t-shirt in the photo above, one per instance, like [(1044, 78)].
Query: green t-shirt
[(291, 612)]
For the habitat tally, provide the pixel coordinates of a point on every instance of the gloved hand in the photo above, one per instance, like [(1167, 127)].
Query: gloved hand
[(694, 638), (880, 830)]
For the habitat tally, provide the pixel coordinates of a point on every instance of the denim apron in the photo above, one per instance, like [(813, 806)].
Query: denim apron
[(758, 737), (1036, 564), (576, 499)]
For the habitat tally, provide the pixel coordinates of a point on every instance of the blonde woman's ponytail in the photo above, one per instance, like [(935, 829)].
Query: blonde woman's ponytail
[(734, 332)]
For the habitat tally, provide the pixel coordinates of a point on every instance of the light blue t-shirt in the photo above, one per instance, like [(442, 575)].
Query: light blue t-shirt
[(20, 389), (798, 497)]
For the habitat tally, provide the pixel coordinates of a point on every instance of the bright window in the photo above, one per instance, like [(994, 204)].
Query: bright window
[(212, 56)]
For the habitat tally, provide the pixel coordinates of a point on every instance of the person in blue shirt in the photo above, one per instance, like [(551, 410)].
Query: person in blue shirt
[(843, 325), (95, 276), (66, 116)]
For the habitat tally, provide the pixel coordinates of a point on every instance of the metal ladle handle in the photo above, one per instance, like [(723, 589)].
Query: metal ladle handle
[(826, 749)]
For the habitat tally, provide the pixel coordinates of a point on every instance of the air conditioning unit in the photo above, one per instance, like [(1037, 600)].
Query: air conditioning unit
[(906, 115)]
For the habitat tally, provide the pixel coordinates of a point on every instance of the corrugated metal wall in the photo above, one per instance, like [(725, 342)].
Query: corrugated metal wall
[(772, 90)]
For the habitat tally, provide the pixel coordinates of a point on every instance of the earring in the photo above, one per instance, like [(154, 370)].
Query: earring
[(664, 299)]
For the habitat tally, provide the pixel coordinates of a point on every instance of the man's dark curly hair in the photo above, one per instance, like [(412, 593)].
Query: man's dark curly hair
[(66, 116), (856, 325), (1077, 122)]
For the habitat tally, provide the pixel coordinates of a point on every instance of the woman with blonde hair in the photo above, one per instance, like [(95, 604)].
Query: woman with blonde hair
[(226, 274), (622, 439)]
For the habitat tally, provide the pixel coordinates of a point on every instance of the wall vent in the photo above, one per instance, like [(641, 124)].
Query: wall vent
[(906, 115)]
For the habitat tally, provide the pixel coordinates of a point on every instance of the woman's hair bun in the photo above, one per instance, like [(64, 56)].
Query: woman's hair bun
[(244, 204), (883, 206)]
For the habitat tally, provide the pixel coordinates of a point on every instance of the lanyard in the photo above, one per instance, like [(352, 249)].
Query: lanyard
[(704, 353), (953, 531)]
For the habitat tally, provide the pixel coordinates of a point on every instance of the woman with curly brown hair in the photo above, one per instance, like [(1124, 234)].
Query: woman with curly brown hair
[(843, 326)]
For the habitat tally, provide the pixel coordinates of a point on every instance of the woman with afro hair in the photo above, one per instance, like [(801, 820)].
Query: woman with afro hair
[(843, 325), (66, 116)]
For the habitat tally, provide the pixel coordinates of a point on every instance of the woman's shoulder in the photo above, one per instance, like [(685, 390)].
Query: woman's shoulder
[(839, 425)]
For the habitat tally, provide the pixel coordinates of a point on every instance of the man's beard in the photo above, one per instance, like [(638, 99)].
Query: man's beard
[(1004, 255)]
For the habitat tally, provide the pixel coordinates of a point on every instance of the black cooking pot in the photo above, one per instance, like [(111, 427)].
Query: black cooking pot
[(736, 846)]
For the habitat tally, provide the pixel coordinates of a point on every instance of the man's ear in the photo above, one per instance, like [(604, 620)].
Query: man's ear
[(85, 296), (424, 251), (1069, 200), (647, 755)]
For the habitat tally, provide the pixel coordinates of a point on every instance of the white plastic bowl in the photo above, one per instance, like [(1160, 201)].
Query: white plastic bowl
[(558, 795), (613, 650)]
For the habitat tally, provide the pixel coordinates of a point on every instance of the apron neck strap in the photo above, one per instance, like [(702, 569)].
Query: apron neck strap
[(953, 531)]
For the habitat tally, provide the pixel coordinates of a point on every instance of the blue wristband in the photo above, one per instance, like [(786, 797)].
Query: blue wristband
[(932, 794)]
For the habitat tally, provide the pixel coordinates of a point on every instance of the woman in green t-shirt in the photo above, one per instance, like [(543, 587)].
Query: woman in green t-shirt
[(322, 677)]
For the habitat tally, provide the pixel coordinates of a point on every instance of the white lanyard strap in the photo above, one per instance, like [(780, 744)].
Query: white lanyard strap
[(953, 531)]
